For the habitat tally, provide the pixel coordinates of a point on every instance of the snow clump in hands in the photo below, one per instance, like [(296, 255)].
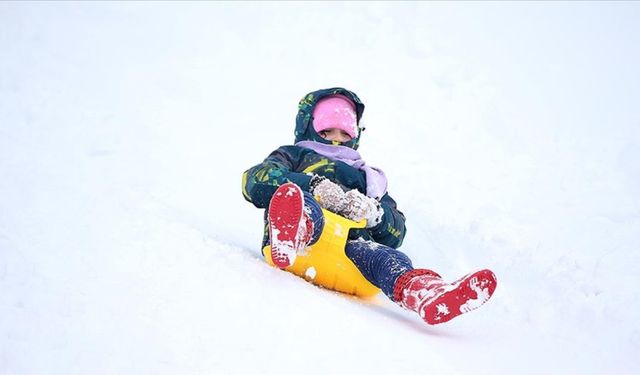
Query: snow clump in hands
[(329, 194), (353, 205), (358, 206)]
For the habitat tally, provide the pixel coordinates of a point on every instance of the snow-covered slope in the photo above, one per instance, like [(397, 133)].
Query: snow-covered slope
[(509, 133)]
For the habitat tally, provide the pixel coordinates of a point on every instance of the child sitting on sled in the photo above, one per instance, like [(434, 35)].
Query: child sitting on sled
[(323, 170)]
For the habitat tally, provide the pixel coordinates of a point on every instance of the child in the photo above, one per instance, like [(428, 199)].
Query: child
[(324, 164)]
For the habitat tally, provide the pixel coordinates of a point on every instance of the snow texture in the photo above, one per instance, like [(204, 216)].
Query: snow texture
[(509, 132), (482, 296), (359, 206), (330, 196)]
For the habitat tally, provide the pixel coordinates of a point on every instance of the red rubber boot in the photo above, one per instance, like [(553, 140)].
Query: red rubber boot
[(290, 228), (437, 301)]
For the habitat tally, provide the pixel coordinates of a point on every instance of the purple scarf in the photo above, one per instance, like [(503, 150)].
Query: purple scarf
[(376, 180)]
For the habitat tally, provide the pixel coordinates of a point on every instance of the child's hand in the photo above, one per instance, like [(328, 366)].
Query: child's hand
[(358, 206), (329, 195)]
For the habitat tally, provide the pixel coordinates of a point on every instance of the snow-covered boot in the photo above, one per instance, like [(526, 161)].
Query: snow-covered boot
[(437, 301), (295, 221)]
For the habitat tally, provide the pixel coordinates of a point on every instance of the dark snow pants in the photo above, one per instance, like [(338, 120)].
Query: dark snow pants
[(379, 264)]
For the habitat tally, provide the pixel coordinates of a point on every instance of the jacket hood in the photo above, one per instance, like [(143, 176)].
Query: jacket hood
[(304, 120)]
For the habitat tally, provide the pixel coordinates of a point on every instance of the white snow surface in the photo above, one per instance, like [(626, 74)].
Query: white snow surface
[(510, 133)]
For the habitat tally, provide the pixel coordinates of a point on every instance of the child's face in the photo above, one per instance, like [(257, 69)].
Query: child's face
[(333, 134)]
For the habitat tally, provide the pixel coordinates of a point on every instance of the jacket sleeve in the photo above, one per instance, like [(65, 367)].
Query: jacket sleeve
[(391, 230), (260, 182)]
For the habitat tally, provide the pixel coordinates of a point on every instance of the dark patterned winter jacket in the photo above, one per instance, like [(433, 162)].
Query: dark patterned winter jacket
[(297, 164)]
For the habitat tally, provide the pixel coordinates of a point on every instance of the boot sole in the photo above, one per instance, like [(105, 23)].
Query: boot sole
[(285, 217), (464, 295)]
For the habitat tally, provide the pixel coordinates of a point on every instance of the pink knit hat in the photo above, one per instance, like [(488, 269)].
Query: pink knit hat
[(336, 111)]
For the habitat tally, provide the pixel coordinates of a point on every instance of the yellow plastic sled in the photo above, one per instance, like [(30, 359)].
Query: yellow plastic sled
[(325, 262)]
